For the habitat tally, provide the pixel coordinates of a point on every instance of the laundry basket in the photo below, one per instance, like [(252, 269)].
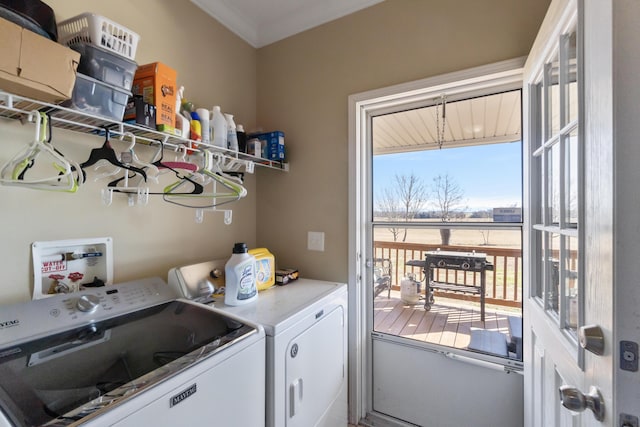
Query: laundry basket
[(99, 31)]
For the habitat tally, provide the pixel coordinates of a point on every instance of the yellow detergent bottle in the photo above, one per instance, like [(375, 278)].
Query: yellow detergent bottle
[(265, 268)]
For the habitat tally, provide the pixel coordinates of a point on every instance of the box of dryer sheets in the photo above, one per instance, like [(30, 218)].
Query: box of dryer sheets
[(274, 144), (35, 67), (156, 82)]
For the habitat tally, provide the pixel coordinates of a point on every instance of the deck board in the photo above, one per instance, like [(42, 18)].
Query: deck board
[(447, 323)]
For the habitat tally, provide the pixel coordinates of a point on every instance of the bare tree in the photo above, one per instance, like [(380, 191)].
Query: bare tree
[(485, 236), (388, 207), (448, 197), (403, 201)]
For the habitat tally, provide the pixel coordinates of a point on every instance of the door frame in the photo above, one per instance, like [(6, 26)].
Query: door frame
[(362, 107)]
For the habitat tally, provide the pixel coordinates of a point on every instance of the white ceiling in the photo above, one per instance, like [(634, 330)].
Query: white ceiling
[(262, 22), (488, 119)]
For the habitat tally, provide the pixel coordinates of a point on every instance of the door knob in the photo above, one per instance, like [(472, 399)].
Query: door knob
[(592, 338), (574, 400)]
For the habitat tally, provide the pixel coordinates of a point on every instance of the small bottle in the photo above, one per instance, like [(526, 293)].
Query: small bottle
[(219, 125), (242, 139), (204, 114), (240, 277), (196, 129), (232, 136)]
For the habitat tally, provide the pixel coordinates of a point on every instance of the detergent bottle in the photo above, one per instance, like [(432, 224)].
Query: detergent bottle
[(232, 135), (219, 125), (240, 277), (265, 268)]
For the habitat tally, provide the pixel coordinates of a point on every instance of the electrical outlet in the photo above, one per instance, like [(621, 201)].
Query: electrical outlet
[(315, 241)]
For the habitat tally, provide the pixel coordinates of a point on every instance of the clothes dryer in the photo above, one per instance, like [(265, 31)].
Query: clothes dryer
[(305, 323)]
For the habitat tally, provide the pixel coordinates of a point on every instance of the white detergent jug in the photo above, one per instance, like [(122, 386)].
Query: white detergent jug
[(218, 124), (240, 277)]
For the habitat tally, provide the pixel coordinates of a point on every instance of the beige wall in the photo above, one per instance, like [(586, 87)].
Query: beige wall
[(216, 67), (299, 85), (304, 83)]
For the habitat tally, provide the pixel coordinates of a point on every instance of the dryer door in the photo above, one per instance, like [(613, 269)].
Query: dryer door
[(315, 370)]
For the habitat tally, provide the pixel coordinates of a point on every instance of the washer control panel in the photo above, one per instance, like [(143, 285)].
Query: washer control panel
[(34, 319)]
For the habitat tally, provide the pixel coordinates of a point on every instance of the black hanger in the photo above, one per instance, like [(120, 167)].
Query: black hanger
[(197, 187), (106, 152)]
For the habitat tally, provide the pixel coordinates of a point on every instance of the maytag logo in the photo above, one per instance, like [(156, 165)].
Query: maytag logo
[(183, 395), (9, 323)]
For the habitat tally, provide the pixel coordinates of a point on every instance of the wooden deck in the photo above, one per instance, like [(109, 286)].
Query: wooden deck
[(449, 321)]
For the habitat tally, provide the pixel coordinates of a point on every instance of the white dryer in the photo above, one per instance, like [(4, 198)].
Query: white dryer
[(305, 323)]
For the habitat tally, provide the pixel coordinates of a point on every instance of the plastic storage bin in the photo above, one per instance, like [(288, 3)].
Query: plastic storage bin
[(106, 66), (97, 98), (99, 31)]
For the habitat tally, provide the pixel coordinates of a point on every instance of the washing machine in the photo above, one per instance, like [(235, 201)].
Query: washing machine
[(305, 323), (129, 355)]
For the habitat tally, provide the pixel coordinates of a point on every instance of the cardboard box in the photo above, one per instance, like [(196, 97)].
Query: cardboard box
[(35, 67), (273, 144), (286, 275), (140, 112), (156, 82)]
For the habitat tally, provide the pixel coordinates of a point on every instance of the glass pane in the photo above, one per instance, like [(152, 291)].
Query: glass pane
[(571, 76), (480, 183), (538, 286), (553, 272), (543, 198), (553, 97), (571, 180), (553, 179), (537, 116), (571, 282), (446, 307)]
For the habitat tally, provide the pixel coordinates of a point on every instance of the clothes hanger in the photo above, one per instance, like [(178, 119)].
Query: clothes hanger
[(75, 167), (150, 167), (14, 171), (234, 190), (106, 152), (176, 164), (196, 187)]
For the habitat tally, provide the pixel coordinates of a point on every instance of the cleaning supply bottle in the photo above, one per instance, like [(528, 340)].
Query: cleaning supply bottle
[(232, 136), (219, 125), (205, 119), (265, 268), (196, 128), (242, 139), (240, 277)]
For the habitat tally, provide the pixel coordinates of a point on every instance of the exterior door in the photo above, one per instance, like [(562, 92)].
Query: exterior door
[(406, 377), (578, 129)]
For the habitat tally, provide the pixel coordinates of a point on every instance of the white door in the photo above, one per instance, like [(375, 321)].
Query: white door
[(578, 127), (415, 358)]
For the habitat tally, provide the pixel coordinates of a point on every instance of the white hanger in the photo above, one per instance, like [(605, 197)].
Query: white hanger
[(14, 171)]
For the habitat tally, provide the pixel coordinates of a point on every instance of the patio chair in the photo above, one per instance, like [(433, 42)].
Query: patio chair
[(381, 276)]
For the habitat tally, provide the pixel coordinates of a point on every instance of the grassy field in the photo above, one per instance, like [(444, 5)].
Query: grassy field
[(511, 239)]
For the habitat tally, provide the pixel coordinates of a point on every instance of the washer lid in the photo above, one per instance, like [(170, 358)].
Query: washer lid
[(83, 371)]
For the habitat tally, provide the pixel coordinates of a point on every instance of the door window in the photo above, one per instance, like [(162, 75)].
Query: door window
[(447, 223), (555, 162)]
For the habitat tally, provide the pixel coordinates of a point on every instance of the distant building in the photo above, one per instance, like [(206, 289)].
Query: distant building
[(507, 214)]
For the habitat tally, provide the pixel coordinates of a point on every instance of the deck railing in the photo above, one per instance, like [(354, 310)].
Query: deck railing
[(503, 284)]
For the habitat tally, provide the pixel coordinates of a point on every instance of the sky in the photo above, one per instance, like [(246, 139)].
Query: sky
[(490, 176)]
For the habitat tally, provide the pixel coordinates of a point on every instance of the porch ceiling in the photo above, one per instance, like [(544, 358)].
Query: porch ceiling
[(484, 120)]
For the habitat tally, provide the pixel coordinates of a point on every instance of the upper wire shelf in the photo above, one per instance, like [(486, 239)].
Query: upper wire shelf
[(18, 108)]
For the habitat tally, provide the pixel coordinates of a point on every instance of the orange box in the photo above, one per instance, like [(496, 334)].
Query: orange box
[(156, 83)]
